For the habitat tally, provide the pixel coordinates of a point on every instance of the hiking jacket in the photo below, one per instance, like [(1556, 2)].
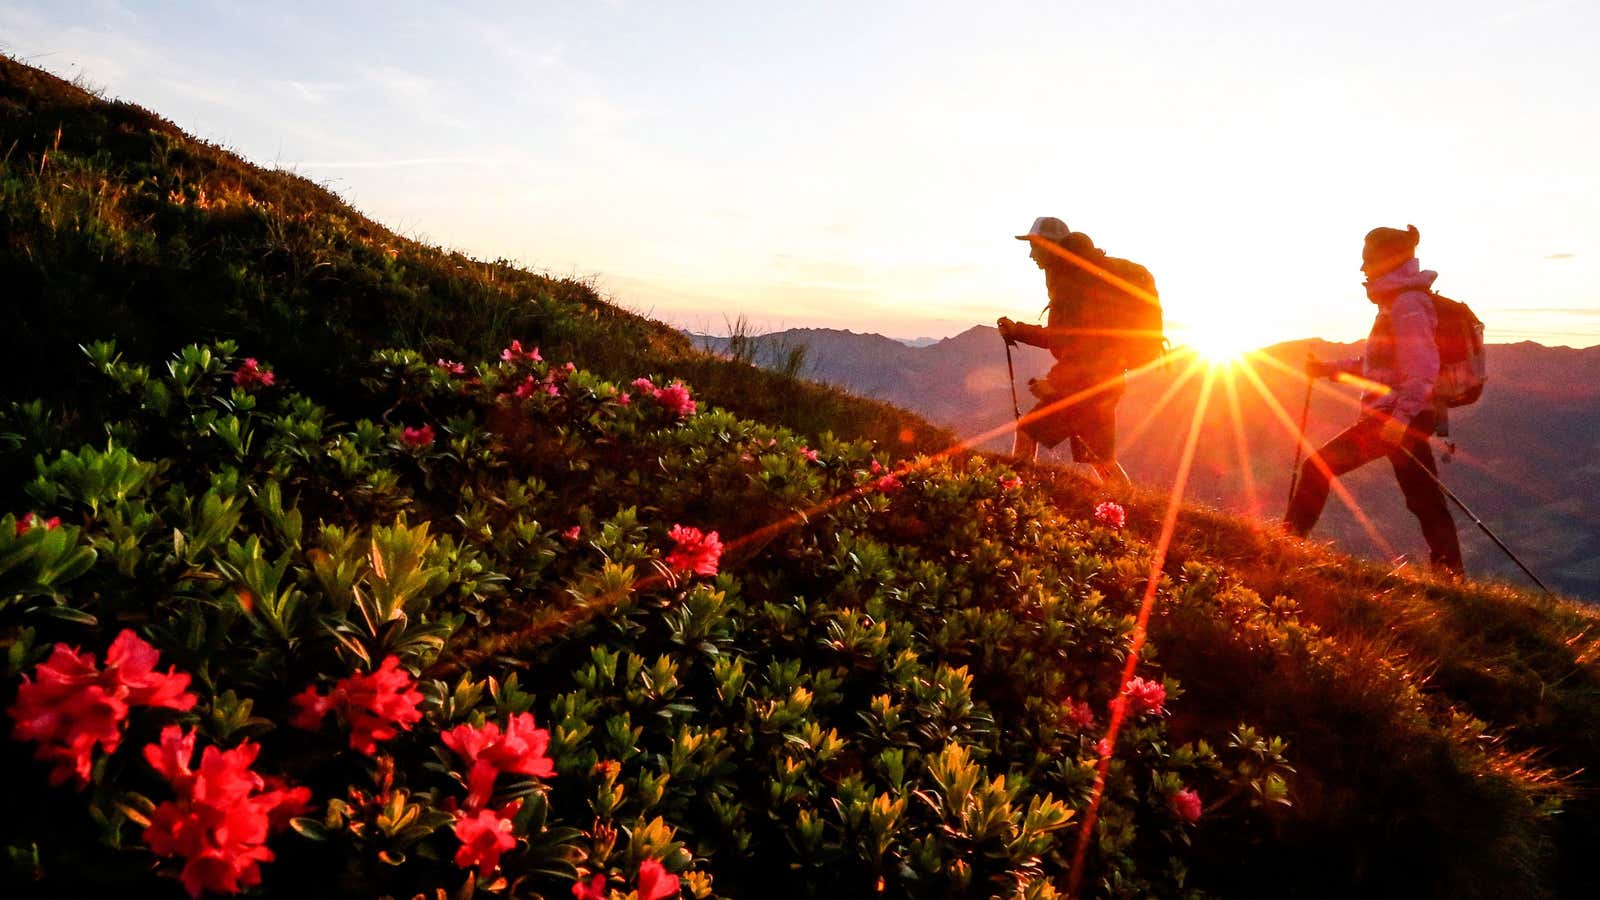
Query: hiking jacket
[(1080, 328), (1401, 358)]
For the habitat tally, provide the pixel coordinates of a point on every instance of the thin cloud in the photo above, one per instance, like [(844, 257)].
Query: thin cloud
[(1561, 256)]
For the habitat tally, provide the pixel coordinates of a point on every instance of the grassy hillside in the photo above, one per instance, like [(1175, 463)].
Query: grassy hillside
[(891, 673)]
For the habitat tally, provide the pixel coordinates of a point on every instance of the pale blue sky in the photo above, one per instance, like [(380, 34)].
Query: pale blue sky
[(828, 165)]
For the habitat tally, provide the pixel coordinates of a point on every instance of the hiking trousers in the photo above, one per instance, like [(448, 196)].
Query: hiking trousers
[(1413, 465)]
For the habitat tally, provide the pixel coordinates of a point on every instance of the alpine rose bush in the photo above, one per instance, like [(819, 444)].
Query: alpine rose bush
[(485, 836), (1143, 695), (1186, 804), (488, 752), (417, 438), (376, 707), (69, 705), (250, 375)]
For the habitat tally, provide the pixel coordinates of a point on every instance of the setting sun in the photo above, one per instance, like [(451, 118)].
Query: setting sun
[(1222, 341)]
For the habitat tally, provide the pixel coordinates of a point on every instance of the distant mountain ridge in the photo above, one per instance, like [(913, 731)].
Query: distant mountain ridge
[(1526, 462)]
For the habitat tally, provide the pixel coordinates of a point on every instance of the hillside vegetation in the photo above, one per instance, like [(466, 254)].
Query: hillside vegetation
[(322, 580)]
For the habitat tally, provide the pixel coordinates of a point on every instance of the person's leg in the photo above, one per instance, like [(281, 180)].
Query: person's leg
[(1350, 449), (1096, 440), (1112, 473), (1024, 447), (1415, 470)]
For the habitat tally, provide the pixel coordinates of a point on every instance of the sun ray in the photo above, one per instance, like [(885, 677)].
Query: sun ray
[(1334, 484), (1169, 524), (1241, 443), (1195, 367)]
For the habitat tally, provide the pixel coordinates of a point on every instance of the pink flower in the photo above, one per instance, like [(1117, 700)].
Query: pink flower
[(674, 398), (417, 438), (569, 366), (1102, 747), (594, 890), (694, 551), (26, 522), (1110, 514), (1186, 804), (515, 352), (377, 706), (1144, 696), (487, 751), (485, 835), (810, 454), (250, 375), (451, 366), (1010, 482), (623, 399), (877, 468), (1080, 713), (888, 484), (644, 386), (654, 882), (221, 815), (573, 533), (551, 389), (526, 388), (70, 705)]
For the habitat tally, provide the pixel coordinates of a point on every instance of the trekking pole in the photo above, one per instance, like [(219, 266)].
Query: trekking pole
[(1299, 442), (1479, 522), (1016, 408)]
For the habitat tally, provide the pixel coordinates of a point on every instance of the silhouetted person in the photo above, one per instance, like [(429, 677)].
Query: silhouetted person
[(1398, 412), (1091, 295)]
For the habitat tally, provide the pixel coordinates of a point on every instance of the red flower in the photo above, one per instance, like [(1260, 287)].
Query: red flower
[(644, 386), (654, 882), (888, 484), (131, 663), (1010, 482), (1110, 514), (250, 375), (694, 552), (1080, 713), (515, 352), (26, 522), (417, 438), (71, 705), (810, 454), (487, 751), (1144, 695), (1186, 803), (623, 399), (451, 366), (377, 706), (675, 399), (573, 533), (485, 835), (221, 814), (594, 890)]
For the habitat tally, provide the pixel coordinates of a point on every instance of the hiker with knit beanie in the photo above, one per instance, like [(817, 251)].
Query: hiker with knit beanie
[(1398, 410)]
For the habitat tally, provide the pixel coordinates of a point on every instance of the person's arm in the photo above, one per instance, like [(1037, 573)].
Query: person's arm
[(1416, 355), (1032, 335)]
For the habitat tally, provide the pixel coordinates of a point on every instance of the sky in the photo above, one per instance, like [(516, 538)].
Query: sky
[(865, 166)]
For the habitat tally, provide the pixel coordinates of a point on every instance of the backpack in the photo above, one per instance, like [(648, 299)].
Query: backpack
[(1463, 365), (1134, 316)]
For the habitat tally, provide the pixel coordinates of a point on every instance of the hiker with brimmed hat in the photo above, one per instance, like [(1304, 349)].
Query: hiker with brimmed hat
[(1103, 317), (1400, 367)]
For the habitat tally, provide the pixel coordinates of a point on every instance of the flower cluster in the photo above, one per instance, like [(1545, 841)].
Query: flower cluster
[(694, 552), (1079, 713), (674, 398), (222, 813), (487, 833), (26, 523), (377, 707), (70, 705), (654, 883), (1010, 482), (1143, 695), (1186, 805), (451, 366), (250, 375), (417, 438), (1110, 514), (515, 352)]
